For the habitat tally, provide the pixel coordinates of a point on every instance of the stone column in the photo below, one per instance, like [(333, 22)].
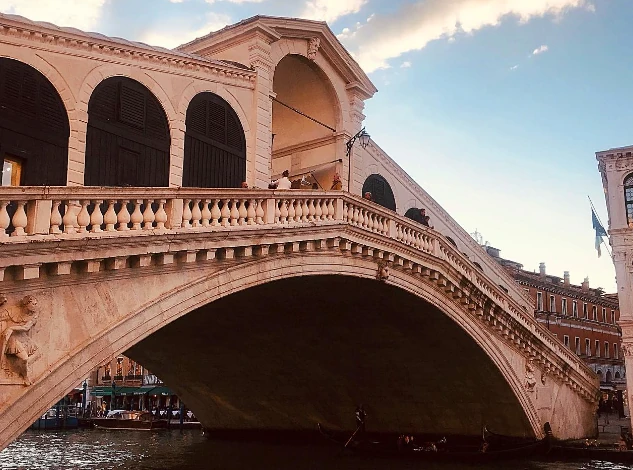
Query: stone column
[(259, 173)]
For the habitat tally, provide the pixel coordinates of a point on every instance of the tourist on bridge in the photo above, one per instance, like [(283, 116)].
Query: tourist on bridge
[(282, 183), (367, 196)]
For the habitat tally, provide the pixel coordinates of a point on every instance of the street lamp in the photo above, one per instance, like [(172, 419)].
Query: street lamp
[(363, 137)]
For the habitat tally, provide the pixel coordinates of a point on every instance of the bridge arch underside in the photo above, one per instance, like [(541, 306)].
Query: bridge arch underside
[(293, 352)]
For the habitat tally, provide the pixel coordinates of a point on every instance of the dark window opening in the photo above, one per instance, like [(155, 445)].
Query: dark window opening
[(451, 241), (34, 127), (128, 140), (215, 145), (478, 266), (381, 192), (628, 198)]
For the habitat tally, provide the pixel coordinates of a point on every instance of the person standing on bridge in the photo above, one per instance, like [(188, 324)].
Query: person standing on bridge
[(360, 418), (283, 182)]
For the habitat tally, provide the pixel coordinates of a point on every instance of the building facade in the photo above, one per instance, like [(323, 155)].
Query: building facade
[(123, 383), (585, 320), (616, 169)]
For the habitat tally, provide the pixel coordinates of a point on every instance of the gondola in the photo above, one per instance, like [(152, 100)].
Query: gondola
[(445, 452)]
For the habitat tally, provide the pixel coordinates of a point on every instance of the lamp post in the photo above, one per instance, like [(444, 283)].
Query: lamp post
[(363, 137), (83, 399)]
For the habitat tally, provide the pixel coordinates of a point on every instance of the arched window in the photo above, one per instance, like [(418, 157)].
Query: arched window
[(608, 378), (127, 141), (380, 190), (628, 198), (34, 128), (451, 241), (478, 266), (617, 375), (215, 147)]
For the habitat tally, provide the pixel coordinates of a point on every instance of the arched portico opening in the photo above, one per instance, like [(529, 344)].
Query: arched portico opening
[(127, 140), (306, 114), (34, 128), (381, 192), (215, 146)]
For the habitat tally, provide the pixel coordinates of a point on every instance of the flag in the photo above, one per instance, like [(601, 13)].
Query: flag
[(600, 231)]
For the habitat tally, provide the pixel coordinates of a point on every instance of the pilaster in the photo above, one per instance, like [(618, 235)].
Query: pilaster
[(260, 60)]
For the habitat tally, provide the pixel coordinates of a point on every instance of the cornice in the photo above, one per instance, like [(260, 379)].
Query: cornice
[(110, 50), (560, 290), (412, 186)]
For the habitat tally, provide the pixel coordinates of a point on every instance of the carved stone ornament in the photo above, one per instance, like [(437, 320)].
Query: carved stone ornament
[(530, 380), (383, 271), (313, 47), (544, 375), (627, 349), (18, 350)]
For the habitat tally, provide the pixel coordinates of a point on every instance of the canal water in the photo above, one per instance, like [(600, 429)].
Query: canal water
[(190, 450)]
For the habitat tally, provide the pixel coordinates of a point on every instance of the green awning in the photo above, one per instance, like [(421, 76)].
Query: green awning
[(126, 390), (159, 391), (101, 391)]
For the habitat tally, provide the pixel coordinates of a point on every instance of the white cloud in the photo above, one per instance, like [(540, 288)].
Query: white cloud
[(416, 24), (405, 65), (540, 50), (514, 67), (234, 1), (82, 14), (330, 10), (173, 36)]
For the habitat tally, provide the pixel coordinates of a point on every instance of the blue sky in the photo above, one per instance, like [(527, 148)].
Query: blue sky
[(495, 107)]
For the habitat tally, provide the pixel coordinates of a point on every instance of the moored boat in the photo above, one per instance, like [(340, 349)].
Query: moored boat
[(55, 419), (122, 419)]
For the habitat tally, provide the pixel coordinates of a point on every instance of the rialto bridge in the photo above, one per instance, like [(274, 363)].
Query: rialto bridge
[(274, 310), (122, 230)]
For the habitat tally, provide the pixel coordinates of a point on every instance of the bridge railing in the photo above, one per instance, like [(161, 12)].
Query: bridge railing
[(57, 213)]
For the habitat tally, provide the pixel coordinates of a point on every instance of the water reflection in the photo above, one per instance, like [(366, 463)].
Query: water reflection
[(174, 450)]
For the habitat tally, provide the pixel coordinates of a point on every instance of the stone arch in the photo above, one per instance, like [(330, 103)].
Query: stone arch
[(608, 376), (92, 80), (213, 285), (288, 46), (188, 94)]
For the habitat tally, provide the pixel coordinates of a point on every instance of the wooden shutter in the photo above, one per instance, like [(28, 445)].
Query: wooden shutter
[(132, 107)]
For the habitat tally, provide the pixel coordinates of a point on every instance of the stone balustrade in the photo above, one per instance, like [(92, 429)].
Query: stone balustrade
[(57, 214)]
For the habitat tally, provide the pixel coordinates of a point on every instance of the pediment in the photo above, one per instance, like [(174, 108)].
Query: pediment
[(273, 29)]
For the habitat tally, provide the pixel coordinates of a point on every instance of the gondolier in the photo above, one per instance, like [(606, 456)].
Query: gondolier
[(360, 418)]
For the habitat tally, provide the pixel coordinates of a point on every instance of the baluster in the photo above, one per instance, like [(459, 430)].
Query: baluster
[(123, 217), (325, 210), (225, 212), (356, 214), (372, 222), (137, 217), (330, 209), (5, 220), (206, 213), (250, 212), (186, 214), (235, 213), (70, 217), (318, 212), (19, 220), (259, 212), (148, 215), (366, 218), (277, 211), (96, 218), (302, 210), (350, 213), (109, 218), (56, 218), (398, 232), (311, 209), (216, 215), (283, 213), (196, 214), (161, 215), (291, 211), (243, 213), (381, 225), (83, 218)]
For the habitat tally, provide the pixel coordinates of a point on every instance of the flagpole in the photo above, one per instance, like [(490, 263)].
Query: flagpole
[(598, 217)]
